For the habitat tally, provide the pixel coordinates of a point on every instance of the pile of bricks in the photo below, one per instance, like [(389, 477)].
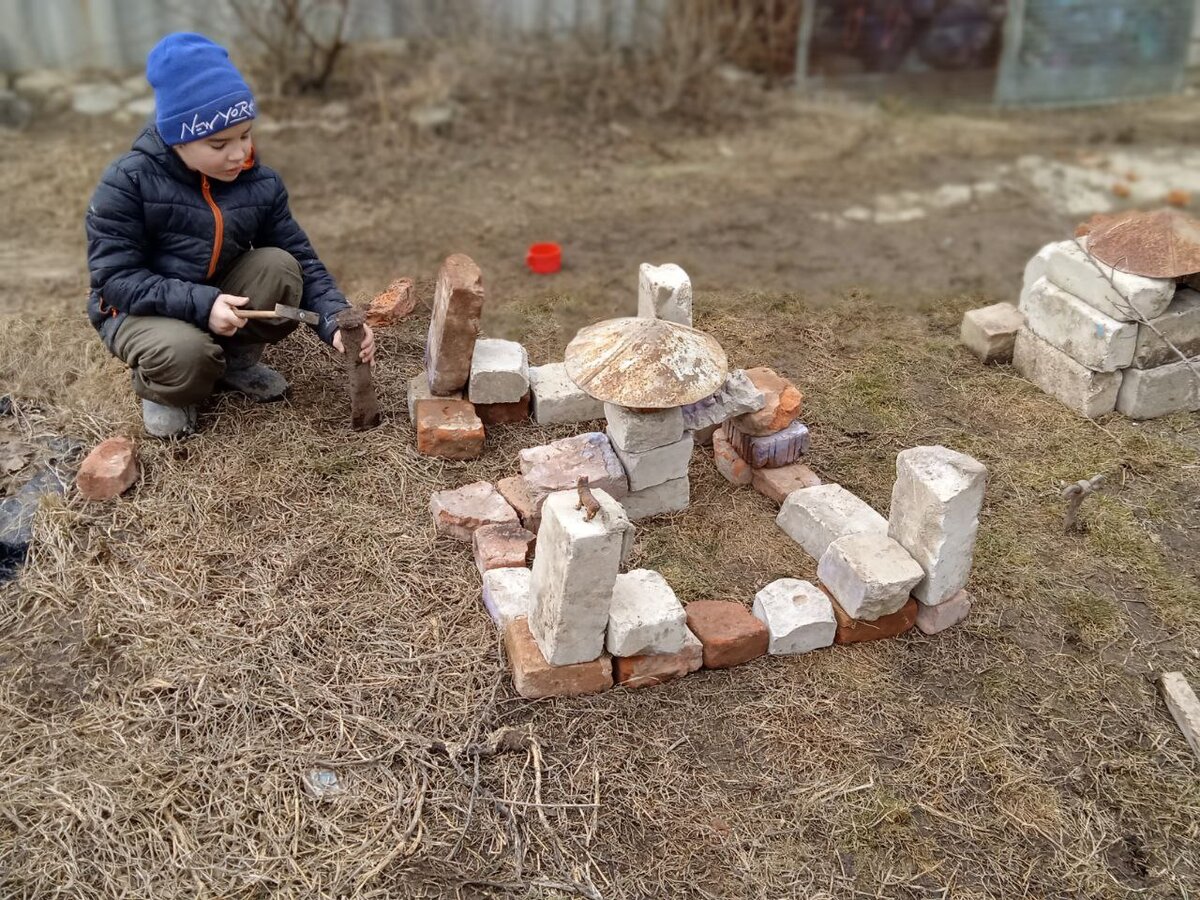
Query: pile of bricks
[(1093, 337)]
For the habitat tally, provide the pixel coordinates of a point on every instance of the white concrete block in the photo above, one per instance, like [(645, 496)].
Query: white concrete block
[(506, 594), (1150, 393), (1081, 331), (798, 616), (1180, 325), (557, 400), (1086, 392), (669, 497), (1038, 266), (1183, 706), (664, 292), (499, 372), (636, 432), (735, 397), (418, 389), (645, 616), (817, 516), (654, 467), (574, 569), (989, 332), (870, 575), (935, 516), (1134, 296)]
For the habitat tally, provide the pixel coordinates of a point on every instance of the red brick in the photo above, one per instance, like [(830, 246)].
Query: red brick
[(534, 678), (517, 491), (454, 324), (735, 469), (730, 633), (460, 512), (852, 631), (778, 483), (392, 305), (449, 429), (501, 546), (109, 470), (784, 403), (653, 669), (504, 413)]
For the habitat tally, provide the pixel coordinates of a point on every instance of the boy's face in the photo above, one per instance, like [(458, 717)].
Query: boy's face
[(220, 155)]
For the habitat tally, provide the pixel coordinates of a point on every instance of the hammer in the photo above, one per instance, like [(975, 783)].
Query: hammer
[(281, 311)]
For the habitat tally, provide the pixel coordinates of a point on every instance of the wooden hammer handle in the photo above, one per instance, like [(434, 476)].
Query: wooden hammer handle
[(254, 313)]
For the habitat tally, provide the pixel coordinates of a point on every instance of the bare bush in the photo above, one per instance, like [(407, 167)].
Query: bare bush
[(298, 42)]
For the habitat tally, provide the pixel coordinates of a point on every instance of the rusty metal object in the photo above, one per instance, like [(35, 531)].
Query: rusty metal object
[(587, 500), (1160, 244), (646, 363)]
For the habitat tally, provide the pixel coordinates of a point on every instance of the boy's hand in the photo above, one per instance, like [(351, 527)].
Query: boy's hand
[(368, 345), (221, 320)]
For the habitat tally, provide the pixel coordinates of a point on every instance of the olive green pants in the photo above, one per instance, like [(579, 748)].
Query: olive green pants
[(175, 363)]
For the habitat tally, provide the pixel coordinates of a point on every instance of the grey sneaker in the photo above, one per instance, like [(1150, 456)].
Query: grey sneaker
[(162, 421), (246, 375)]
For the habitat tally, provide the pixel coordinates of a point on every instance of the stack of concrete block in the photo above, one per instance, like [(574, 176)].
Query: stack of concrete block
[(499, 382), (1094, 337), (654, 450)]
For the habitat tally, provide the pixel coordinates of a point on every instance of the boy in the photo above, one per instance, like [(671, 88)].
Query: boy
[(186, 229)]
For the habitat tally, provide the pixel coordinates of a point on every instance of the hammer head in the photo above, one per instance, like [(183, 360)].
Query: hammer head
[(300, 315)]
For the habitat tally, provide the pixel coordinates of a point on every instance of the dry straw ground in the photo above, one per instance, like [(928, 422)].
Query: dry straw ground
[(272, 597)]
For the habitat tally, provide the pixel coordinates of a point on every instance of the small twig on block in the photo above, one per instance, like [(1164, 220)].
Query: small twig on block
[(587, 500), (364, 408), (1075, 494)]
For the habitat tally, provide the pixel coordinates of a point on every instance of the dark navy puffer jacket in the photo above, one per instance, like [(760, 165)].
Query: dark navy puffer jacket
[(161, 237)]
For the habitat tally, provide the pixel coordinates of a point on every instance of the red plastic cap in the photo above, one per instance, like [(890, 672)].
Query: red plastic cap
[(544, 259)]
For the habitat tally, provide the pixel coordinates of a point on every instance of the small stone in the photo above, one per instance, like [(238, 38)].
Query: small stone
[(97, 99), (393, 304), (782, 404), (418, 389), (15, 111), (658, 668), (504, 413), (991, 331), (664, 292), (1078, 329), (558, 465), (458, 513), (798, 615), (654, 467), (1180, 325), (520, 496), (1088, 393), (769, 451), (557, 400), (499, 372), (41, 82), (737, 396), (731, 635), (506, 594), (729, 462), (534, 678), (140, 107), (853, 631), (1134, 297), (449, 429), (1163, 391), (1184, 707), (669, 497), (870, 575), (501, 546), (645, 616), (776, 484), (109, 470), (454, 325), (816, 517), (637, 432), (933, 619)]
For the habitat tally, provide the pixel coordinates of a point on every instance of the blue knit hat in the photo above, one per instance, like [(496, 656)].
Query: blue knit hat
[(197, 90)]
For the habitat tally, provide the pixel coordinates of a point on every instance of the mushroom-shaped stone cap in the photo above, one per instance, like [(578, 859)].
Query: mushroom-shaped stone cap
[(1160, 244), (646, 363)]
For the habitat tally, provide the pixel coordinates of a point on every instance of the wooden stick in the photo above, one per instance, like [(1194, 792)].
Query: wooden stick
[(254, 313), (364, 408)]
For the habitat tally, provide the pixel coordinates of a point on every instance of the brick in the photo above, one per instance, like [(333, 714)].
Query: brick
[(501, 546), (664, 292), (731, 635), (574, 570), (737, 396), (650, 468), (1150, 393), (658, 668), (557, 466), (669, 497), (1081, 331), (778, 483), (504, 413), (1077, 387), (449, 429), (798, 615), (454, 324), (991, 331), (781, 406), (520, 496), (459, 512), (769, 451), (635, 431), (109, 470), (499, 372), (870, 575), (729, 462), (1180, 325), (1069, 266), (645, 616), (534, 678), (853, 631), (393, 304), (418, 389), (816, 517), (1184, 707), (557, 400), (506, 594), (935, 619), (936, 501)]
